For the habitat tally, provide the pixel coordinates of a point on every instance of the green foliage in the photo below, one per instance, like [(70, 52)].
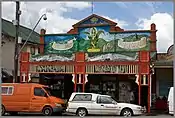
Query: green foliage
[(93, 36), (94, 41)]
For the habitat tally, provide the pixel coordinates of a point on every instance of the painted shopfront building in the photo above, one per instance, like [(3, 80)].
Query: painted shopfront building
[(96, 49)]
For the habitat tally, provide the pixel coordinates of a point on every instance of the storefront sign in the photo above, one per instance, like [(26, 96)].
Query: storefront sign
[(118, 69), (51, 68)]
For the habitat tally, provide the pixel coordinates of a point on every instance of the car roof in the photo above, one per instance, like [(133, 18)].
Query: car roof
[(34, 84), (90, 93)]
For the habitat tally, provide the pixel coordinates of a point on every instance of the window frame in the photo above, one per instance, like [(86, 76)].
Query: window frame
[(41, 89), (7, 90), (32, 50), (99, 99), (82, 100)]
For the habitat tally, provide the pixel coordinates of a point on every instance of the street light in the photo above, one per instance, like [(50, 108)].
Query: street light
[(17, 54), (44, 18)]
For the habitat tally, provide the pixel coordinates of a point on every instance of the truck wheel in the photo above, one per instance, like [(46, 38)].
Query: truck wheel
[(127, 112), (2, 110), (47, 111), (81, 112)]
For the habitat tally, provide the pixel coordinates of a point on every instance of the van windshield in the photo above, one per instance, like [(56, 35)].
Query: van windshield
[(47, 90)]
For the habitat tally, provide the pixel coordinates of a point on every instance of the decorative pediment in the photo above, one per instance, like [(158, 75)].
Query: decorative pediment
[(94, 20)]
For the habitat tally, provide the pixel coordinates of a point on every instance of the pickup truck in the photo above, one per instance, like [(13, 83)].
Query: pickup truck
[(83, 104)]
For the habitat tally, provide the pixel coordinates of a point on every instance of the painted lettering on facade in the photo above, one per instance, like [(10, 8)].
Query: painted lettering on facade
[(118, 69), (50, 68)]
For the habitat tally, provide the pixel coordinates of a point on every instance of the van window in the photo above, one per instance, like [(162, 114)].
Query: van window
[(7, 90), (39, 92), (82, 97), (48, 90)]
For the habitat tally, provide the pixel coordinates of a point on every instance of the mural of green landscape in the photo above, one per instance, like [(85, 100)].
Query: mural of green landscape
[(97, 39), (98, 44), (60, 44)]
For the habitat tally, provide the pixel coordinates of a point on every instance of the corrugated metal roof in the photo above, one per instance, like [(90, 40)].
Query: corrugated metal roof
[(9, 29)]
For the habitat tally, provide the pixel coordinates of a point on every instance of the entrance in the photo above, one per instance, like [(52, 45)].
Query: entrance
[(121, 87), (61, 85)]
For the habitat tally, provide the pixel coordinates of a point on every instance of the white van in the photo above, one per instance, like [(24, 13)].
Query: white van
[(170, 101)]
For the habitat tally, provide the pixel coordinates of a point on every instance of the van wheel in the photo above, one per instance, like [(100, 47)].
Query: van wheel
[(81, 112), (3, 110), (47, 111), (13, 113)]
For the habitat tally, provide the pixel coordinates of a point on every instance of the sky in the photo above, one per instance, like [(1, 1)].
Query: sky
[(129, 16)]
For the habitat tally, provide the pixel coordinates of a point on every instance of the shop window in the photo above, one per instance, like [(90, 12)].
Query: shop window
[(38, 50), (82, 97), (8, 90), (32, 50), (39, 92)]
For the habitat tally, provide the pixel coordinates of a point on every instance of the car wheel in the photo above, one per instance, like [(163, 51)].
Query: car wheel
[(47, 111), (126, 112), (3, 110), (81, 112)]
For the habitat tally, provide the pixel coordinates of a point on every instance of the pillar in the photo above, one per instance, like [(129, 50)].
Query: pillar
[(153, 37), (80, 70), (24, 66), (149, 93), (42, 33)]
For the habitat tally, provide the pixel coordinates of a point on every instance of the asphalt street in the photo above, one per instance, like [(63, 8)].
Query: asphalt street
[(67, 115)]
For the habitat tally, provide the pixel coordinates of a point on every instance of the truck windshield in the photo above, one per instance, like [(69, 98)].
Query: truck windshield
[(47, 90)]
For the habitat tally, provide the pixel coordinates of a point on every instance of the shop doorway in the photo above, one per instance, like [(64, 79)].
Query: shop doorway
[(61, 85), (144, 96), (120, 87)]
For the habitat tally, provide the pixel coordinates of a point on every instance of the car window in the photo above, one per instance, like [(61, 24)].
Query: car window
[(104, 100), (39, 92), (7, 90), (82, 97)]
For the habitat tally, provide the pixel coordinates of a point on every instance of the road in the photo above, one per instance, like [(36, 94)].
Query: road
[(67, 115)]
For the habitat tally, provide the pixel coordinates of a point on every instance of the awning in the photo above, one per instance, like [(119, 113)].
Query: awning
[(6, 74), (163, 64)]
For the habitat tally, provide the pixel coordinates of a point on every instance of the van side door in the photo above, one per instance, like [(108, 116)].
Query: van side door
[(38, 99)]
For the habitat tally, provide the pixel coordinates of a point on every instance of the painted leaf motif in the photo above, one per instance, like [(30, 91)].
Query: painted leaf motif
[(87, 33), (99, 33)]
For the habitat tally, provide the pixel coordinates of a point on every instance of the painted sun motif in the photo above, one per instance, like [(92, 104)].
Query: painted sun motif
[(94, 20)]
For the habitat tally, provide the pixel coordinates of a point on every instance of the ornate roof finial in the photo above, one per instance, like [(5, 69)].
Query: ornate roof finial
[(92, 7)]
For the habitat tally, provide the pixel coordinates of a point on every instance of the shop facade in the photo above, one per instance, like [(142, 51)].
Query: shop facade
[(96, 52)]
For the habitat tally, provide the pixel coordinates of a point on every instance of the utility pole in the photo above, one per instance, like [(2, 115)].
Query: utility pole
[(18, 13)]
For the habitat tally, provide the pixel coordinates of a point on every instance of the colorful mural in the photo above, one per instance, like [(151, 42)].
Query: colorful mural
[(93, 20), (120, 56), (60, 44), (97, 42), (98, 39)]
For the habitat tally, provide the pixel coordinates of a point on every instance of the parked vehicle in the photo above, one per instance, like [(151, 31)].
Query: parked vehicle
[(83, 104), (29, 97), (170, 101)]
